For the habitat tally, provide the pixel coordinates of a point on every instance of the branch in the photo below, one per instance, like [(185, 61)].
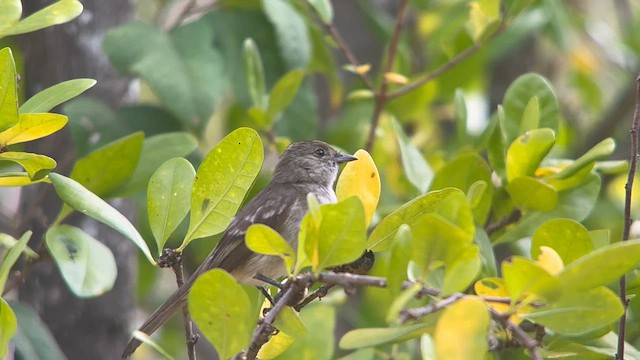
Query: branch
[(446, 66), (633, 161), (172, 258), (515, 215), (381, 94), (520, 335), (346, 50), (417, 313)]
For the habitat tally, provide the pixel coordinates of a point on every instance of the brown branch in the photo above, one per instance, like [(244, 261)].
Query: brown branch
[(381, 95), (417, 313), (633, 161), (518, 334), (172, 258), (348, 53), (515, 215), (318, 294), (444, 67)]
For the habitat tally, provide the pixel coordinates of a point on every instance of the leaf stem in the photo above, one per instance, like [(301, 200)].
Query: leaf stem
[(633, 161)]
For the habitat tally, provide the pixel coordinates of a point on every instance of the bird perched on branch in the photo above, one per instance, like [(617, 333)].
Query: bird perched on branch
[(305, 167)]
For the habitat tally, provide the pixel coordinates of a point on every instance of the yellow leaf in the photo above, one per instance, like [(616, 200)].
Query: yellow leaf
[(31, 127), (550, 260), (361, 178), (461, 332), (395, 78), (360, 69), (494, 287), (19, 180)]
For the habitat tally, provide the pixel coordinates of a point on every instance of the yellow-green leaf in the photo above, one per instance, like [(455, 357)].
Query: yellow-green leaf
[(532, 194), (31, 127), (222, 310), (361, 178), (262, 239), (13, 179), (57, 13), (55, 95), (8, 326), (461, 332), (10, 11), (527, 151), (36, 165), (8, 90), (222, 181)]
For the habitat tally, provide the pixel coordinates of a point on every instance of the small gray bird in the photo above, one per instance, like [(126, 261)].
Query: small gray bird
[(305, 167)]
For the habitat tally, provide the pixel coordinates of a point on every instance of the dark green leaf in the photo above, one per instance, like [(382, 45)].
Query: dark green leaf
[(33, 340), (87, 266), (415, 166), (292, 35)]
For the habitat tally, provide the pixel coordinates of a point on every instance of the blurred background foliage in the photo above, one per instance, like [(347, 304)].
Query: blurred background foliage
[(187, 64)]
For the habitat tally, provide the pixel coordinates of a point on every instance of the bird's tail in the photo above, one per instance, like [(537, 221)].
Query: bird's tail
[(159, 317)]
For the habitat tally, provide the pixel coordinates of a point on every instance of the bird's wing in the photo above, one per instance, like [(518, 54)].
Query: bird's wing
[(272, 207)]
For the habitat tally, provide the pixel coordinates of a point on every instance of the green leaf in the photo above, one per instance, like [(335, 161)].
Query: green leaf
[(59, 12), (283, 92), (531, 116), (517, 98), (254, 73), (323, 9), (487, 256), (460, 118), (88, 203), (532, 194), (415, 166), (36, 165), (147, 340), (367, 337), (262, 239), (462, 330), (598, 267), (450, 203), (182, 68), (8, 326), (55, 95), (463, 172), (461, 270), (11, 257), (156, 150), (222, 310), (602, 150), (574, 203), (12, 179), (338, 238), (567, 237), (222, 182), (400, 253), (7, 241), (168, 197), (527, 152), (8, 90), (108, 167), (317, 344), (31, 127), (33, 340), (87, 266), (10, 12), (288, 321), (579, 312), (524, 277), (497, 143), (291, 31)]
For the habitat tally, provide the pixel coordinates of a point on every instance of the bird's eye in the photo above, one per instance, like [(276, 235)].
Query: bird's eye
[(319, 152)]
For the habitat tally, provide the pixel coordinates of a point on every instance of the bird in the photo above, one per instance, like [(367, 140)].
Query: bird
[(304, 167)]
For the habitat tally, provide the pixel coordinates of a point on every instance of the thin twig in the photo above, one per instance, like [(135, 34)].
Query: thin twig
[(348, 53), (444, 67), (515, 215), (520, 335), (417, 313), (381, 95), (318, 294), (191, 338), (633, 161)]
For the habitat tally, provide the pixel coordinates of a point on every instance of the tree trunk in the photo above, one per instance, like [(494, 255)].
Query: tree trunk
[(94, 328)]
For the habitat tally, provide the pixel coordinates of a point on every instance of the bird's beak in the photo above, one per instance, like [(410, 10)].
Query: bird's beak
[(342, 158)]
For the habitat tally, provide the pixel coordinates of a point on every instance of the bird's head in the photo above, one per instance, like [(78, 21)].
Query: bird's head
[(309, 162)]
